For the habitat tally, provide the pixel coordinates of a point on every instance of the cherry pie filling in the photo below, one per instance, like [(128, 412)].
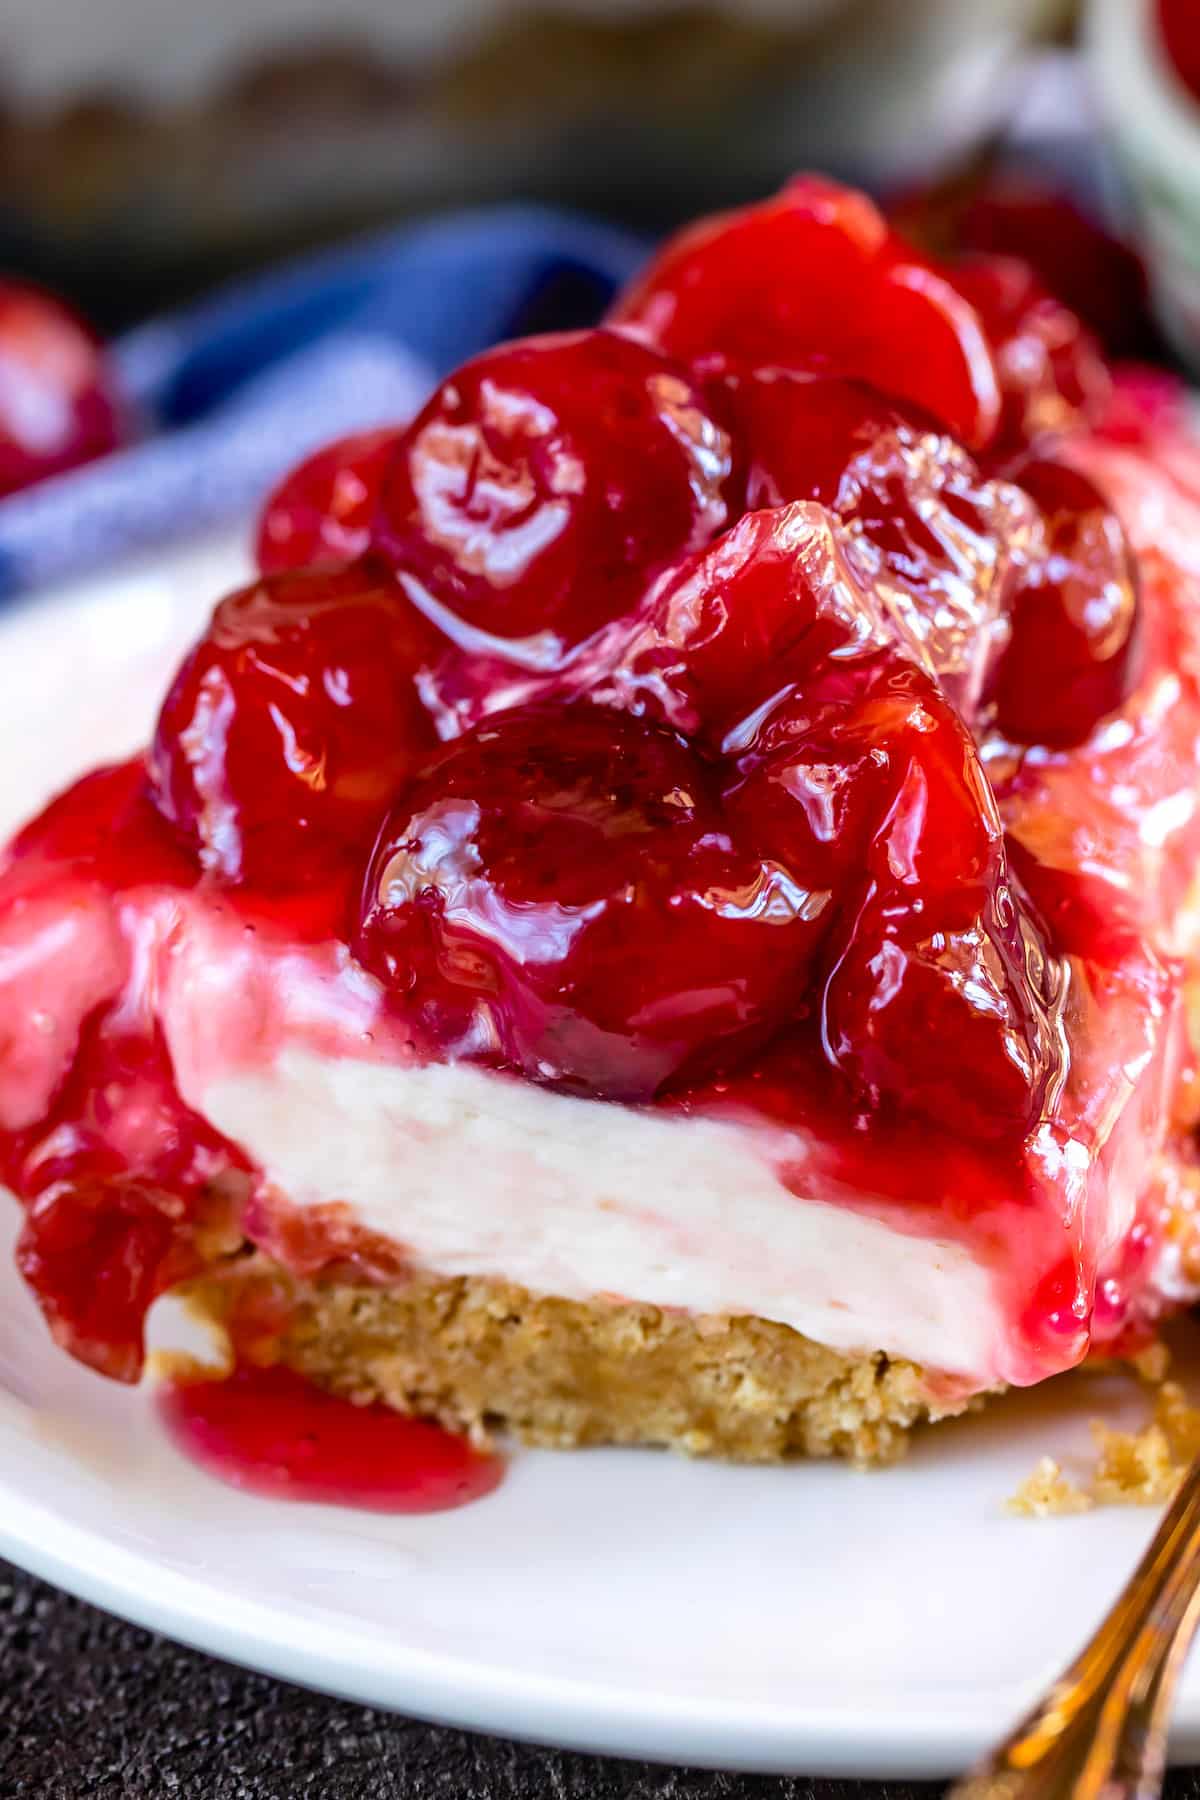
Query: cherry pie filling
[(752, 708)]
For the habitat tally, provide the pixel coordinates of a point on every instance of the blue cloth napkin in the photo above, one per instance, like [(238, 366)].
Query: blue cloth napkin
[(232, 392)]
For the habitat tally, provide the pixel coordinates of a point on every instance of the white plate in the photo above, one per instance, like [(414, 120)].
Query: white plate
[(808, 1619)]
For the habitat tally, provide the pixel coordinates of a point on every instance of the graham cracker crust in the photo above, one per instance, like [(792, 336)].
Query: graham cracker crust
[(484, 1356)]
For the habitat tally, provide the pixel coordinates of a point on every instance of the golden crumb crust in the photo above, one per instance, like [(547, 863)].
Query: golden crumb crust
[(1132, 1468), (484, 1355)]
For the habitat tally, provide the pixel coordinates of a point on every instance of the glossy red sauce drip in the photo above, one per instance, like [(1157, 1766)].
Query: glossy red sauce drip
[(271, 1432), (118, 1174), (1179, 26), (106, 829), (110, 1222)]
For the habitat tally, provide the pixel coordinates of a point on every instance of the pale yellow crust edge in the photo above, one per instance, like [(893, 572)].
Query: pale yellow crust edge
[(487, 1357)]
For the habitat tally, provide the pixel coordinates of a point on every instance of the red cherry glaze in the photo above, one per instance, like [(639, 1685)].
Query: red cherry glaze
[(1053, 378), (860, 1152), (127, 1191), (1073, 655), (107, 830), (117, 1181), (546, 482), (509, 891), (1179, 29), (814, 279), (97, 1253), (1059, 1310), (119, 1177), (1147, 409), (1082, 913), (558, 893), (768, 603), (804, 436), (942, 997), (322, 512), (271, 1432), (845, 763), (57, 405), (938, 993), (326, 1239), (1092, 273), (919, 519), (292, 724), (740, 859), (105, 827)]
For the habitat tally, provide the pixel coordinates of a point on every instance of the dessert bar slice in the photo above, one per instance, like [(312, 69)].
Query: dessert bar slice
[(666, 913)]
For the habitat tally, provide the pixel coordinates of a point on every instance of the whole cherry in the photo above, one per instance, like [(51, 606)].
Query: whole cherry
[(842, 761), (921, 523), (1073, 654), (558, 893), (322, 512), (58, 405), (814, 279), (544, 485), (1053, 378), (291, 724)]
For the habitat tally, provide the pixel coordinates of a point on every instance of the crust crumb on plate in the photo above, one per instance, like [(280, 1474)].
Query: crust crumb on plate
[(484, 1355), (1180, 1420), (1133, 1468), (1048, 1493), (1151, 1363), (1144, 1468)]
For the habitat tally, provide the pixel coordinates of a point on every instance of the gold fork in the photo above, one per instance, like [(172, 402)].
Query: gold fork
[(1101, 1731)]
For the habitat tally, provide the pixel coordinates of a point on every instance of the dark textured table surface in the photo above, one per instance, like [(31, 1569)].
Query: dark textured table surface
[(94, 1709)]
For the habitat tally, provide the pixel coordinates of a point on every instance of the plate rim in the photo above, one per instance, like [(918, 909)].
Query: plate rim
[(934, 1737), (930, 1734), (939, 1734)]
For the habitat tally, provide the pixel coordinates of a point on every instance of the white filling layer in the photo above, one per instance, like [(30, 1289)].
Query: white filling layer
[(477, 1174), (290, 1054)]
